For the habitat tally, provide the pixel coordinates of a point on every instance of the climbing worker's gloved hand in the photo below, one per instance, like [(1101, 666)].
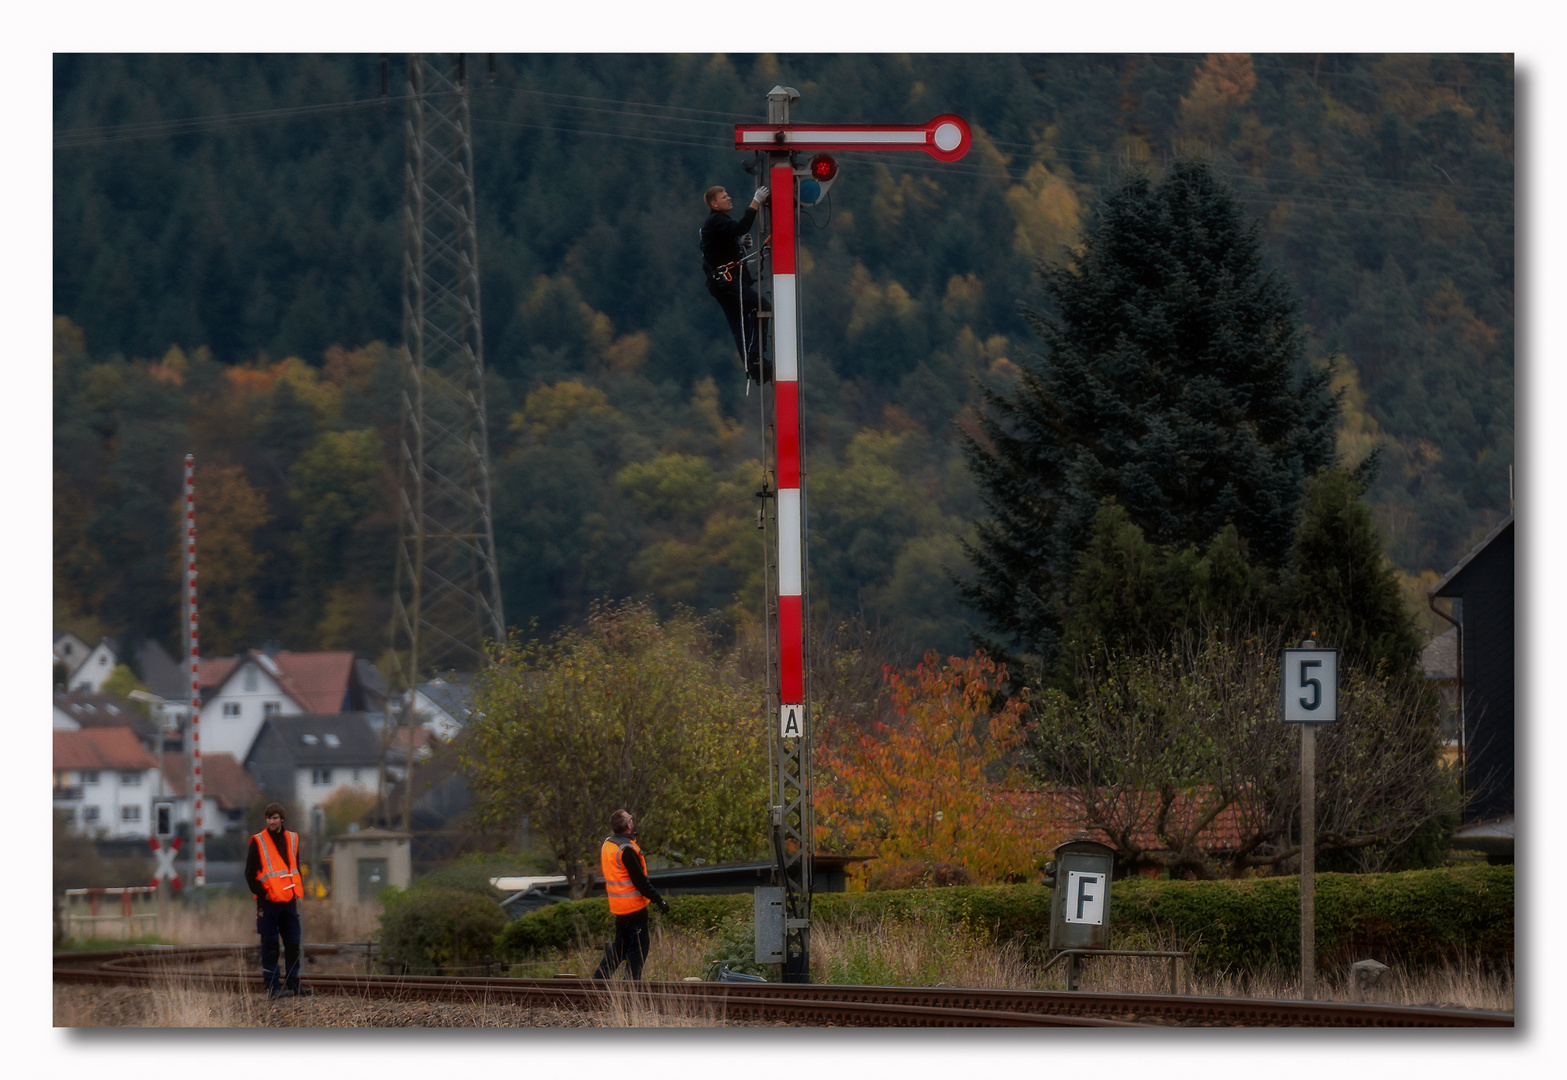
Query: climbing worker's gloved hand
[(760, 196)]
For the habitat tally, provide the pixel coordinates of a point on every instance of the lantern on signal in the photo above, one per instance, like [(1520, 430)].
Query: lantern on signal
[(817, 178)]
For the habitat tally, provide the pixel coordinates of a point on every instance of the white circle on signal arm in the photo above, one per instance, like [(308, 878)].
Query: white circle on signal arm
[(948, 136)]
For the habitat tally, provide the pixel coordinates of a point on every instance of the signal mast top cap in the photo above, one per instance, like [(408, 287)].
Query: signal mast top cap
[(945, 137)]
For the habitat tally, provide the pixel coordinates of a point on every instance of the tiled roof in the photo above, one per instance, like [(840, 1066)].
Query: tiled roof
[(102, 711), (1062, 814), (214, 671), (340, 739), (223, 779), (100, 748), (317, 680), (1439, 658)]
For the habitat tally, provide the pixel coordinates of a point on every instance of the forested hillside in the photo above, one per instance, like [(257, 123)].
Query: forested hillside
[(227, 283)]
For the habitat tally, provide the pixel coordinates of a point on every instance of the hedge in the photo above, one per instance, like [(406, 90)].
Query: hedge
[(1417, 918)]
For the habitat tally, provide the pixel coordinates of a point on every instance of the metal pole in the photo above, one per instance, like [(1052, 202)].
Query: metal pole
[(1308, 857)]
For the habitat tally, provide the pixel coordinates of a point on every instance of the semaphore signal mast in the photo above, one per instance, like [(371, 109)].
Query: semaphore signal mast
[(946, 138)]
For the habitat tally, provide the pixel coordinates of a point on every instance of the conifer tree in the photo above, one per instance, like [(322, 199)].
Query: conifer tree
[(1340, 587), (1172, 379)]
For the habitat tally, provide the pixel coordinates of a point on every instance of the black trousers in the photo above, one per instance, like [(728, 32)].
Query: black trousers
[(741, 305), (630, 945), (279, 923)]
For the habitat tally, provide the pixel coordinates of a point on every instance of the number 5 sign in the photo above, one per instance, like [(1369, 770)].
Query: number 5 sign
[(1311, 685)]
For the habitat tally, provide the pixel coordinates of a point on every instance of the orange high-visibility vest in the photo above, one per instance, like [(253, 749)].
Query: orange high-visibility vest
[(279, 877), (623, 896)]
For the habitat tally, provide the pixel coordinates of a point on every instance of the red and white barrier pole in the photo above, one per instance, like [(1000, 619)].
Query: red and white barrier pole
[(195, 671), (786, 391)]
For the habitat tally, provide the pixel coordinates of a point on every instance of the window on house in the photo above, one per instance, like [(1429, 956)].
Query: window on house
[(89, 776), (270, 708), (89, 813), (332, 739), (231, 708), (130, 813), (250, 679), (309, 738), (356, 776), (320, 776), (68, 816), (130, 779)]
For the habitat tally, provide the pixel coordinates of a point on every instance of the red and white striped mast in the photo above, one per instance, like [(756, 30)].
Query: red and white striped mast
[(945, 138), (194, 652)]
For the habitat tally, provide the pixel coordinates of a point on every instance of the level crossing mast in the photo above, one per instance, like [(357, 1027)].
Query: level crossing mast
[(780, 142)]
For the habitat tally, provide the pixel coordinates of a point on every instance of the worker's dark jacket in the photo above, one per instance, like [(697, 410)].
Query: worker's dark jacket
[(721, 242)]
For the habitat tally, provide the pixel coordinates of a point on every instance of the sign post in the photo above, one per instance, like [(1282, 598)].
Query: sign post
[(1310, 698)]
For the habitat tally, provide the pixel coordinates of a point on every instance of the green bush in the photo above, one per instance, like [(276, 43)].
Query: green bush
[(1418, 918), (554, 929), (426, 930)]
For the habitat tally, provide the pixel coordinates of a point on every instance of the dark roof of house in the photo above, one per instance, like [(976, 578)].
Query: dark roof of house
[(371, 679), (1439, 658), (315, 739), (451, 694), (1441, 587), (161, 673), (103, 711)]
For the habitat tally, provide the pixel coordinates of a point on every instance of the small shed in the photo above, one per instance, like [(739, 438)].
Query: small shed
[(367, 861)]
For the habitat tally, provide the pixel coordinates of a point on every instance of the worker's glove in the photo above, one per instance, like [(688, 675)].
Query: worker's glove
[(760, 196), (663, 905)]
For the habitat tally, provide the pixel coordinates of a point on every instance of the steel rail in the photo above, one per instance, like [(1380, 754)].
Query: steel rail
[(809, 1004)]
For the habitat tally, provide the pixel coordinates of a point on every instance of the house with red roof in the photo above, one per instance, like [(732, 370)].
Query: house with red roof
[(239, 693), (105, 782)]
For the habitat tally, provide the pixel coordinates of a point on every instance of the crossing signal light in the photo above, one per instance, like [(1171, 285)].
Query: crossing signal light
[(820, 173)]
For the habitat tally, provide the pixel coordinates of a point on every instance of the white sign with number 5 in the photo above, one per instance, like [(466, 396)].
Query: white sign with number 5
[(1311, 685)]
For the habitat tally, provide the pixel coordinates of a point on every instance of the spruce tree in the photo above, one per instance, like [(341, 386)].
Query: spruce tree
[(1172, 379), (1340, 587)]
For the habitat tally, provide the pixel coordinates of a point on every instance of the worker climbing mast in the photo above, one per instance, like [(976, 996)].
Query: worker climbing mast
[(779, 141)]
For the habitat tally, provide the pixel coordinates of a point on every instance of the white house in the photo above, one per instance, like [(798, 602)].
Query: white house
[(311, 758), (69, 651), (238, 694), (105, 782), (94, 668)]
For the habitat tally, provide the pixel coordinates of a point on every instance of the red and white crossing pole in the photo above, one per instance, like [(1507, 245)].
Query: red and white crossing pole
[(194, 646), (945, 138)]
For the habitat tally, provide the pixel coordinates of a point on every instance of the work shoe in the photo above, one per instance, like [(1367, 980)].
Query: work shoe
[(303, 991), (280, 992)]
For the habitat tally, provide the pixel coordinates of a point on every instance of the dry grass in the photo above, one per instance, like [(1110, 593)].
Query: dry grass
[(907, 951), (226, 920)]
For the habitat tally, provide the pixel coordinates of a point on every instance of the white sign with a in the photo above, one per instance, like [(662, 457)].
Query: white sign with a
[(1085, 897), (789, 722), (1310, 685)]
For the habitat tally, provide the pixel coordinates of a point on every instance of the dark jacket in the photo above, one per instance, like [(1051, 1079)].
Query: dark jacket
[(721, 240)]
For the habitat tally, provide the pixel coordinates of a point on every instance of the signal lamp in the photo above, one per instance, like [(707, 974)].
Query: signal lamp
[(819, 175)]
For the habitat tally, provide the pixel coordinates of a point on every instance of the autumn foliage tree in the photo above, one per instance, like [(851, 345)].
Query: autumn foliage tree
[(928, 786), (628, 711)]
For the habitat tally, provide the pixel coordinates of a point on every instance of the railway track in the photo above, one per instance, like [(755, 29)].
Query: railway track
[(809, 1005)]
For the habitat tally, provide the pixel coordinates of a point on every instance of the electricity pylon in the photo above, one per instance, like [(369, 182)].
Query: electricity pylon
[(447, 598)]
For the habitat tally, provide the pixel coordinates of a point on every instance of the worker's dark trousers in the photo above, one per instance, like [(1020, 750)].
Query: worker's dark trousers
[(274, 922), (740, 308), (630, 945)]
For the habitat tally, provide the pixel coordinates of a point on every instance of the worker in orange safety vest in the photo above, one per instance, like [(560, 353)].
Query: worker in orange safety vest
[(272, 872), (630, 892)]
